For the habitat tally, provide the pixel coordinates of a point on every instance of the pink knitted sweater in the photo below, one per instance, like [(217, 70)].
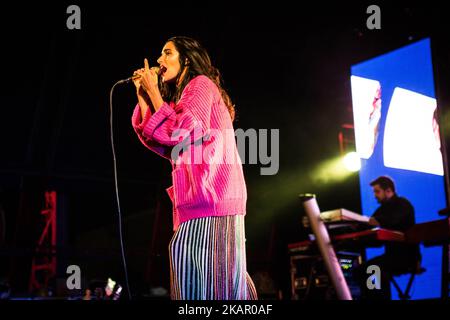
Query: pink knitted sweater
[(197, 136)]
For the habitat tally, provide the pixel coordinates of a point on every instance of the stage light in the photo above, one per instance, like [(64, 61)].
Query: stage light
[(280, 191), (352, 162), (109, 289)]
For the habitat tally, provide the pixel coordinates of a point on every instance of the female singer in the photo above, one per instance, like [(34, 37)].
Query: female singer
[(184, 114)]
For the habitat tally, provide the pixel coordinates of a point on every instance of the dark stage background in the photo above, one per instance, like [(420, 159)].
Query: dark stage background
[(285, 67)]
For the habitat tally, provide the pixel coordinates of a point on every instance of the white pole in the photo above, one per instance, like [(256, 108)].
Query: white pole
[(325, 247)]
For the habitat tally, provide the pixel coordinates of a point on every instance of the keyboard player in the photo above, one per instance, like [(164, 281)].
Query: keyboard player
[(394, 213)]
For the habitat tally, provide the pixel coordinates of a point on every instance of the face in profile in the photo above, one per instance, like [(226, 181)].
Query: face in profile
[(379, 193), (169, 62)]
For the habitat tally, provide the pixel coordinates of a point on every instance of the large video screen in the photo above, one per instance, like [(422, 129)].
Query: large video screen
[(397, 134)]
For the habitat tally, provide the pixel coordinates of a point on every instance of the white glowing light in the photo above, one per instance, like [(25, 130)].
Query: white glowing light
[(352, 162)]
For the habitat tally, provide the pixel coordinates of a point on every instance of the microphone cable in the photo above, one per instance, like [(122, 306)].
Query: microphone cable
[(124, 261)]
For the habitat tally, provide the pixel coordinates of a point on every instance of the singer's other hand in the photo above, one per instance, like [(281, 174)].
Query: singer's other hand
[(137, 75), (149, 78), (143, 98)]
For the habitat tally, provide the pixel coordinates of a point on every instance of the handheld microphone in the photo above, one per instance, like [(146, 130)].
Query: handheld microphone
[(136, 76)]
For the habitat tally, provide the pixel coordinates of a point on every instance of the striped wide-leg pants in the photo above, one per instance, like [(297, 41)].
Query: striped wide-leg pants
[(208, 260)]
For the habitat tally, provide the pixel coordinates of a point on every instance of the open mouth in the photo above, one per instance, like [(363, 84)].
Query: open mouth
[(162, 69)]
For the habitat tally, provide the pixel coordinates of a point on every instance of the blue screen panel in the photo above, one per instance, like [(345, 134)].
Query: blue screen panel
[(397, 134)]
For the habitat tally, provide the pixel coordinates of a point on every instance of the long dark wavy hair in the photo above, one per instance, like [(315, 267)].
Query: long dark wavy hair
[(196, 59)]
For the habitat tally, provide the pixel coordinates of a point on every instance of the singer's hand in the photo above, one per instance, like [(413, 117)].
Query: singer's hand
[(137, 75), (149, 79), (147, 88), (143, 98)]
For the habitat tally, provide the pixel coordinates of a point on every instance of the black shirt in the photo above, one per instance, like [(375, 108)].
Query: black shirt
[(397, 214)]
